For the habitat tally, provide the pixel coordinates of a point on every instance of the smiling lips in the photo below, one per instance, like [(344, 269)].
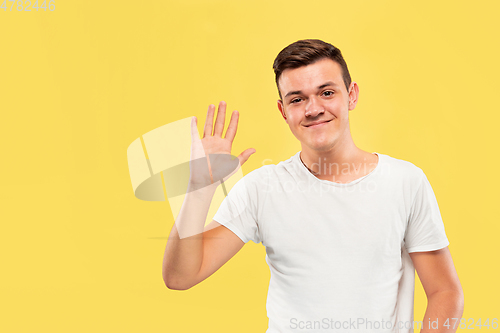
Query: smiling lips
[(318, 124)]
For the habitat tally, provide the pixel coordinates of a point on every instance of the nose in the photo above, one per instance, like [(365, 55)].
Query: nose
[(314, 107)]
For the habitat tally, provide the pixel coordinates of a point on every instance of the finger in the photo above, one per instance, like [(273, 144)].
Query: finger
[(233, 126), (209, 121), (243, 157), (197, 150), (221, 118)]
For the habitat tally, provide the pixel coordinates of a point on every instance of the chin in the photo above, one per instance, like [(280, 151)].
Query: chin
[(322, 144)]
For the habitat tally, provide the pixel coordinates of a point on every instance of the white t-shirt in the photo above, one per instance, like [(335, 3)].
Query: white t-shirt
[(338, 253)]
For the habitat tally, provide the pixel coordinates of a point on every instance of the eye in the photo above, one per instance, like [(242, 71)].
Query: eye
[(295, 100), (328, 93)]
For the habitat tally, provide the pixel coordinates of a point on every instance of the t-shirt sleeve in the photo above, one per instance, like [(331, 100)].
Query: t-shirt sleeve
[(239, 210), (425, 231)]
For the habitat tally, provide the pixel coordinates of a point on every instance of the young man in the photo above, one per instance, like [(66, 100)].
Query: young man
[(344, 229)]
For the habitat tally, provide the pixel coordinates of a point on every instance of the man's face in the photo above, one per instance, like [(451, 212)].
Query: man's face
[(316, 94)]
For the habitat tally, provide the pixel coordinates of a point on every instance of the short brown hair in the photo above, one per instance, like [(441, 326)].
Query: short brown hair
[(305, 52)]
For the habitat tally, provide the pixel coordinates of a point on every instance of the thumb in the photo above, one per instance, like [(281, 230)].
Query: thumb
[(243, 157)]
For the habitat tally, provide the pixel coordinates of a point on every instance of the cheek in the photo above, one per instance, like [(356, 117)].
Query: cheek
[(293, 120), (339, 108)]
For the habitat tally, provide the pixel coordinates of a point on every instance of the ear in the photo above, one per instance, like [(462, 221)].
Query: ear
[(353, 95), (281, 108)]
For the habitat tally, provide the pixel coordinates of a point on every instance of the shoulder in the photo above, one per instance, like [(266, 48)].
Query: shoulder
[(401, 169), (259, 175), (252, 181), (270, 170)]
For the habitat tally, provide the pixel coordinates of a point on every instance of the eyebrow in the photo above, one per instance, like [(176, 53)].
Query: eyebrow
[(326, 84)]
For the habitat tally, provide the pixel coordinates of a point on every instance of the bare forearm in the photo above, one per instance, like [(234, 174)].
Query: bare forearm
[(444, 310), (184, 250)]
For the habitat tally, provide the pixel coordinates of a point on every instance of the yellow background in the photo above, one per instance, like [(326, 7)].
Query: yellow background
[(78, 84)]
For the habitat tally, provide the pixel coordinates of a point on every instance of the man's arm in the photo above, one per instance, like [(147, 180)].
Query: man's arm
[(218, 245), (445, 298), (193, 252)]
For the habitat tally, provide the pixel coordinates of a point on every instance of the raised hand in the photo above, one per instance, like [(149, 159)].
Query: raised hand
[(211, 159)]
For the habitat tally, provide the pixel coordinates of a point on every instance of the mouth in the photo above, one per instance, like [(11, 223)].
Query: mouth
[(318, 124)]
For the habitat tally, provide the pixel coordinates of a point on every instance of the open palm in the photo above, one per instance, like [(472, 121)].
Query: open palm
[(220, 164)]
